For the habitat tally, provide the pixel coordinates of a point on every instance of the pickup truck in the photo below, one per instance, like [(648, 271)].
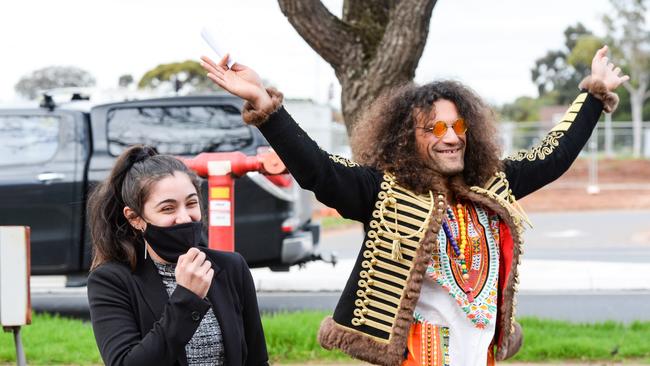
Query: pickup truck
[(52, 155)]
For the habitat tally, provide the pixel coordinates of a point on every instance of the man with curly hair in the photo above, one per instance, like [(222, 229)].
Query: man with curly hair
[(435, 279)]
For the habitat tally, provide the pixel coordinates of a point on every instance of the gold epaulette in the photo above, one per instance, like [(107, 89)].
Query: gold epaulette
[(498, 188)]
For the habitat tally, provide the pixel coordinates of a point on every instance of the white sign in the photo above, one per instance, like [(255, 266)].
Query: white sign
[(15, 309), (220, 213), (220, 205)]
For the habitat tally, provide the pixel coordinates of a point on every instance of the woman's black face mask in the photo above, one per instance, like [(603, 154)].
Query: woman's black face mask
[(170, 242)]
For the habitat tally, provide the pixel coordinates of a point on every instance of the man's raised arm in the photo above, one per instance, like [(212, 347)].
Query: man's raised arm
[(527, 171), (337, 182)]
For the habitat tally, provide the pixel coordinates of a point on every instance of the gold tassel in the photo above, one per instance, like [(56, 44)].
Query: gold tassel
[(396, 253)]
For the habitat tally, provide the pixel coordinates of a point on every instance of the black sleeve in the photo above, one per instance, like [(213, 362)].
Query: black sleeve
[(116, 328), (253, 331), (528, 171), (337, 182)]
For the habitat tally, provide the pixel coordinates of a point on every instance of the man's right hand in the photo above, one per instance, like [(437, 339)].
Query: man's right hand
[(194, 272), (239, 80)]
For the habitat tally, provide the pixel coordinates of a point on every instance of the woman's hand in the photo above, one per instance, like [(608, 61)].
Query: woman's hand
[(194, 272), (239, 80), (603, 70)]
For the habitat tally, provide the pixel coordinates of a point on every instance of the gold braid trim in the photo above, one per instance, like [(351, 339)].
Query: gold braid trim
[(540, 151), (385, 270), (498, 188), (552, 139), (343, 161), (381, 236), (384, 245), (395, 234), (386, 345), (375, 264)]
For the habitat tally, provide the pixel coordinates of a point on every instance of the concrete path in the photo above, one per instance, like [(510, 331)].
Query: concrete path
[(535, 275)]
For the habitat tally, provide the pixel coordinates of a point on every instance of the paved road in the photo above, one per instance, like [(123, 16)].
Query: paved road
[(610, 236), (576, 307), (613, 236)]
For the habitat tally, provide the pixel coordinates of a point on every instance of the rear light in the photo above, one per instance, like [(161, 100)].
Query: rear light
[(290, 225)]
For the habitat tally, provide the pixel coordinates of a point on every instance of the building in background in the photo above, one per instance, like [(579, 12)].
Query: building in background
[(319, 123)]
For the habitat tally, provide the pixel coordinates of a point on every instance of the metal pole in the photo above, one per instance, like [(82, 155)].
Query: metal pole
[(20, 352), (592, 187), (609, 137), (221, 231)]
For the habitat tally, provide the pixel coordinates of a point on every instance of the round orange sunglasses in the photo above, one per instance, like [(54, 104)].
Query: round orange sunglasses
[(439, 128)]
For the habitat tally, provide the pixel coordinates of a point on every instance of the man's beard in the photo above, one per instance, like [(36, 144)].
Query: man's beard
[(447, 170)]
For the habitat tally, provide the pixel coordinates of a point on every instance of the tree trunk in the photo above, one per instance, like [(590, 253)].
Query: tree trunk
[(375, 46), (638, 95), (636, 102)]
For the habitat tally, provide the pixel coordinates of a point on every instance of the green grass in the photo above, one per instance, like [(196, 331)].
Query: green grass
[(546, 340), (336, 222), (291, 337), (53, 340)]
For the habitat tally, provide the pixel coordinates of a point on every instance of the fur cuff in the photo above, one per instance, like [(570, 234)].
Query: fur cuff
[(514, 343), (359, 345), (254, 117), (598, 89)]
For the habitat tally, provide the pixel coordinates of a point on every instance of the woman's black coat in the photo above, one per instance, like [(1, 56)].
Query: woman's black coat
[(136, 323)]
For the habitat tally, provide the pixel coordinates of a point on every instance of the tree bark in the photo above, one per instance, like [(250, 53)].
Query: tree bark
[(375, 46)]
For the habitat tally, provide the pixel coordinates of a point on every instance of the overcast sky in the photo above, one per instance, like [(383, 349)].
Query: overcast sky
[(490, 45)]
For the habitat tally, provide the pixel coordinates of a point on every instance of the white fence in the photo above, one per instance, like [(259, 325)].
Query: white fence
[(514, 136), (614, 141)]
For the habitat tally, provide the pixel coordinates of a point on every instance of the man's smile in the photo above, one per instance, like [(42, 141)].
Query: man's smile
[(448, 151)]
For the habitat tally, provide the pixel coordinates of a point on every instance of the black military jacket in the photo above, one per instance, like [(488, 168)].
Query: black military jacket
[(375, 310)]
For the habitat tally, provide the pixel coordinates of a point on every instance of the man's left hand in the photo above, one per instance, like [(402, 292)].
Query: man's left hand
[(607, 72)]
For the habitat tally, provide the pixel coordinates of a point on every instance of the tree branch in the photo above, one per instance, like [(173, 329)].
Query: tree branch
[(643, 84), (367, 20), (629, 87), (404, 40), (360, 12), (323, 31)]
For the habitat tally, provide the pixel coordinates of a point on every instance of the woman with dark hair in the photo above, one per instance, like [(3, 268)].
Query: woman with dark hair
[(435, 279), (156, 297)]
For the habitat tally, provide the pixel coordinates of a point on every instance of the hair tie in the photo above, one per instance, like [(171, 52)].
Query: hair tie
[(145, 153)]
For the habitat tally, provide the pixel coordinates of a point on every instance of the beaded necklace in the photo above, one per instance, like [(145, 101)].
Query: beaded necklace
[(462, 251)]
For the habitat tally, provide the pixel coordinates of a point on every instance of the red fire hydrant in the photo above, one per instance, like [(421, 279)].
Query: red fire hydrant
[(221, 169)]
